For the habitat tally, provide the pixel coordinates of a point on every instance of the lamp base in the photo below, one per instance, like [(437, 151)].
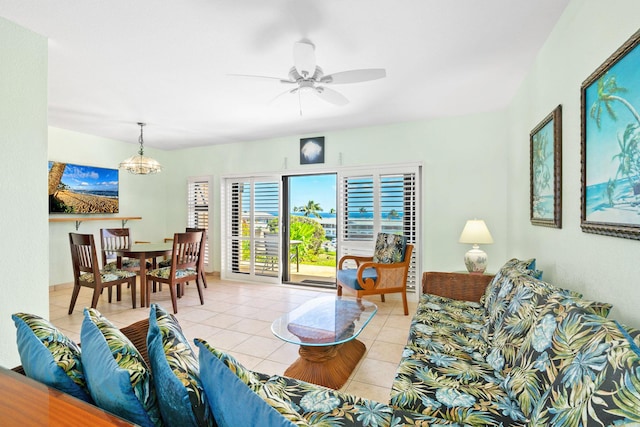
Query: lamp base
[(475, 260)]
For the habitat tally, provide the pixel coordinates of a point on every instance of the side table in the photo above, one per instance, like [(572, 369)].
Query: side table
[(461, 286)]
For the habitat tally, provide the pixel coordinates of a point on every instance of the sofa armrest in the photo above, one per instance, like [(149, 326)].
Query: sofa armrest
[(460, 286)]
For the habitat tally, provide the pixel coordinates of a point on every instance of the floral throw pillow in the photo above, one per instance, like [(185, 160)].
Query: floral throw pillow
[(390, 248)]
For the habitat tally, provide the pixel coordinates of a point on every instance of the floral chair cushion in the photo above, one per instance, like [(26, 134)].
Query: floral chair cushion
[(107, 276), (599, 383), (50, 357), (176, 372), (127, 263), (119, 380), (163, 273), (389, 248)]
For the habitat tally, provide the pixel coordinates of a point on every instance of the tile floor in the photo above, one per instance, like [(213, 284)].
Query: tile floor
[(236, 317)]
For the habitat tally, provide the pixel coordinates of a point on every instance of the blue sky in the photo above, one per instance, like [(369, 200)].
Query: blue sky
[(319, 188), (89, 178)]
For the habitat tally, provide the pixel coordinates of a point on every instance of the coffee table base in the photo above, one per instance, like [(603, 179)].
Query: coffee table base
[(328, 366)]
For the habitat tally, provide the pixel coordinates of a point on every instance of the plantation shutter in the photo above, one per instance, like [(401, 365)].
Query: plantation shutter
[(385, 200), (251, 246), (198, 208)]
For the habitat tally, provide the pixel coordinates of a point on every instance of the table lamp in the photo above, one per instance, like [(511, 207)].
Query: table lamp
[(476, 232)]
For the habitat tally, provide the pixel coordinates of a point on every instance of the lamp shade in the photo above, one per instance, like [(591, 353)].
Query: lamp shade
[(476, 232)]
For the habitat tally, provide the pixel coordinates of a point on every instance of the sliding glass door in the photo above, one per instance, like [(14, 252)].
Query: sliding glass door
[(251, 247), (369, 200)]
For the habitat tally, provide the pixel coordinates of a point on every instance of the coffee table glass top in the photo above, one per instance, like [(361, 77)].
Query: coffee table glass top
[(325, 321)]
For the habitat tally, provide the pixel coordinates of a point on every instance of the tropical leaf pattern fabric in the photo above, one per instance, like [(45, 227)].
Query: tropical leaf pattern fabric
[(176, 365), (253, 381), (599, 382), (389, 248), (49, 356), (165, 272), (107, 276), (320, 406), (128, 359), (443, 373), (554, 338)]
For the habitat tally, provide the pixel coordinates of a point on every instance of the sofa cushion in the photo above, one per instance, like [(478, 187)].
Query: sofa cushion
[(231, 391), (389, 248), (118, 377), (496, 283), (447, 325), (599, 383), (349, 277), (456, 387), (49, 356), (322, 406), (553, 338), (176, 372)]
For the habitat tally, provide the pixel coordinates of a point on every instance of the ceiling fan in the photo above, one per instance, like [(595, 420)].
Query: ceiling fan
[(308, 77)]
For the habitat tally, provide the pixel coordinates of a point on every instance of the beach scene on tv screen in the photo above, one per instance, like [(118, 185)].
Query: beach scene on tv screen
[(78, 189)]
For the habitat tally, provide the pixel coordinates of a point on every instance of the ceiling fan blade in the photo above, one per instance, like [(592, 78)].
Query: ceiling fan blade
[(331, 96), (304, 58), (262, 77), (355, 76)]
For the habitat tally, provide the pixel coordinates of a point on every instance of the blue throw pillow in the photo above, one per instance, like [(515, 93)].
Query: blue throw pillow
[(118, 377), (175, 372), (232, 399), (50, 357)]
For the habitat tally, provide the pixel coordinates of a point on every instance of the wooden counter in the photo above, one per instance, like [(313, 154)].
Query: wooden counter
[(25, 402)]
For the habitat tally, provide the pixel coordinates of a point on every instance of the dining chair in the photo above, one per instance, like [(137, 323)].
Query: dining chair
[(87, 272), (382, 273), (117, 238), (201, 272), (185, 258)]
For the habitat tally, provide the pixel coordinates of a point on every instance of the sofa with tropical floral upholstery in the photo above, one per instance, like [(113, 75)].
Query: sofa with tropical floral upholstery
[(529, 353)]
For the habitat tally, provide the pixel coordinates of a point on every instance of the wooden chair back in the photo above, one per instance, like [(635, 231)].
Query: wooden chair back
[(83, 254), (186, 250), (85, 260), (186, 254), (112, 239)]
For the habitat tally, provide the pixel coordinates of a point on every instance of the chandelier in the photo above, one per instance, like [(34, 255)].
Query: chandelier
[(139, 164)]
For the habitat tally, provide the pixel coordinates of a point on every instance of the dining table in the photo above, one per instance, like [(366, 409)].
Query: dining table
[(143, 252)]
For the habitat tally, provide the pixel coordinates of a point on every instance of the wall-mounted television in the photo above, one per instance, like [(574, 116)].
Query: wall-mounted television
[(79, 189)]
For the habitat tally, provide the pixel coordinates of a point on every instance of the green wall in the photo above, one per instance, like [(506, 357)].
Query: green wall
[(23, 218), (603, 268)]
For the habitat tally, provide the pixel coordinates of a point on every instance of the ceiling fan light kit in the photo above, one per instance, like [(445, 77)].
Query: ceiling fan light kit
[(309, 77)]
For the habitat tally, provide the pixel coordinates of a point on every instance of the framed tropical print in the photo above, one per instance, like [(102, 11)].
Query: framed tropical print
[(610, 145), (545, 154)]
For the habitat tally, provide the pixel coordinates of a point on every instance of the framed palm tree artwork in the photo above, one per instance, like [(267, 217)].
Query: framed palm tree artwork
[(545, 148), (610, 145)]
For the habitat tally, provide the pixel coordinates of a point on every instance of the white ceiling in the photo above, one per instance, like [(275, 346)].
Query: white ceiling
[(113, 63)]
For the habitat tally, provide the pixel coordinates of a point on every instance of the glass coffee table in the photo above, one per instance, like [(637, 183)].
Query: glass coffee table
[(325, 328)]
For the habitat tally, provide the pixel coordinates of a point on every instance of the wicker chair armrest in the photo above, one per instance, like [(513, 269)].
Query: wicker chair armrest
[(358, 260), (391, 275)]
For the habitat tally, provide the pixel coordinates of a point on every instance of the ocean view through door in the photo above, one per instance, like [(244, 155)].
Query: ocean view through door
[(310, 203)]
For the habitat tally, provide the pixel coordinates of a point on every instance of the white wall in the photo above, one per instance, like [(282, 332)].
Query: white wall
[(460, 179), (143, 196), (23, 218), (603, 268)]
